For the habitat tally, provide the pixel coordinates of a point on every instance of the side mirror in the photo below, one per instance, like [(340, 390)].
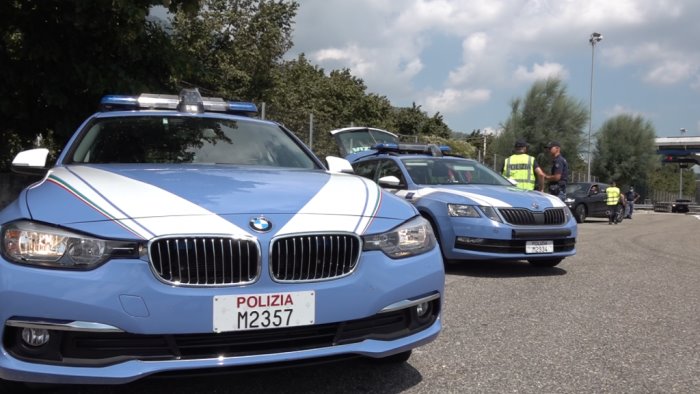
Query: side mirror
[(389, 181), (31, 162), (337, 164)]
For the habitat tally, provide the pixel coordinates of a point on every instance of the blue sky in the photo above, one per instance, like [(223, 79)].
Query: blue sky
[(468, 59)]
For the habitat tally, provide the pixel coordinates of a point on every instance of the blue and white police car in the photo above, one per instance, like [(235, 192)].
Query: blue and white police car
[(177, 233), (476, 213)]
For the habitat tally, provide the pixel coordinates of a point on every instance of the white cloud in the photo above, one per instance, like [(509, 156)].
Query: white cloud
[(622, 110), (540, 71), (452, 100), (670, 72), (499, 45)]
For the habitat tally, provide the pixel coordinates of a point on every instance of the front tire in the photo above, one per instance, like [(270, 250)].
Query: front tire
[(545, 263), (436, 231), (580, 213)]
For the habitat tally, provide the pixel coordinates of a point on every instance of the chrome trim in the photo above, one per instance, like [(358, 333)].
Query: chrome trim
[(244, 237), (321, 233), (82, 326), (409, 303)]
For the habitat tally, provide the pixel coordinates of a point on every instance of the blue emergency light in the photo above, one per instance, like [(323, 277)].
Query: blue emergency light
[(189, 100)]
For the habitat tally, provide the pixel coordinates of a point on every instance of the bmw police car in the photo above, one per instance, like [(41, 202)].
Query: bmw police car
[(177, 233), (476, 213)]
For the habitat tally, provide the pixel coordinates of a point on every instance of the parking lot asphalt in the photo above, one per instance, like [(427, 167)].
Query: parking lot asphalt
[(623, 315)]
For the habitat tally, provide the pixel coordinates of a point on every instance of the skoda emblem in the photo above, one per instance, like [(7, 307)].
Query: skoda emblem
[(535, 205), (260, 224)]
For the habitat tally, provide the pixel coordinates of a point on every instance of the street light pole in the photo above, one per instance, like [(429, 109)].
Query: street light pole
[(680, 171), (595, 38)]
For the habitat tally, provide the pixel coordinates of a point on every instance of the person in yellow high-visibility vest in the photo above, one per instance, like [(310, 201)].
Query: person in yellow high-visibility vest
[(522, 167), (614, 197)]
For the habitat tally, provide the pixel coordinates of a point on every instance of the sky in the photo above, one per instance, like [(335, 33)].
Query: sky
[(468, 59)]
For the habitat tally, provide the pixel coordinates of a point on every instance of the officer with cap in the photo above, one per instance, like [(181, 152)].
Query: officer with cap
[(631, 196), (557, 180), (522, 167)]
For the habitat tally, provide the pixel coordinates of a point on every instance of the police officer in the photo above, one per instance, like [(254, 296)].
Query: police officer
[(613, 198), (522, 167), (557, 180), (631, 196)]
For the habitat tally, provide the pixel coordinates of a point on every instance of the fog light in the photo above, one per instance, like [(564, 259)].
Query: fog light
[(422, 310), (35, 336)]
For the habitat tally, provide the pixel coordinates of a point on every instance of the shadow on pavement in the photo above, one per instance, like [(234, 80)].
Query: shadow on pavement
[(501, 269)]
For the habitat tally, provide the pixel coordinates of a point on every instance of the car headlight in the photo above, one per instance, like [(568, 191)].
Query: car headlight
[(409, 239), (569, 200), (471, 211), (37, 244)]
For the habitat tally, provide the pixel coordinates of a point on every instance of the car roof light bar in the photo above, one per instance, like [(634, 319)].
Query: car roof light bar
[(189, 100), (431, 149)]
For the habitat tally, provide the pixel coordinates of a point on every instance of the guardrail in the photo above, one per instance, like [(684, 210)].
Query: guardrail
[(666, 207)]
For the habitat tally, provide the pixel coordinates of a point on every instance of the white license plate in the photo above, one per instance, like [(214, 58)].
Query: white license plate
[(539, 247), (264, 311)]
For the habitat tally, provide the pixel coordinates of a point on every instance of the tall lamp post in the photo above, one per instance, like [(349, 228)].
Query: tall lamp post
[(595, 38), (680, 171)]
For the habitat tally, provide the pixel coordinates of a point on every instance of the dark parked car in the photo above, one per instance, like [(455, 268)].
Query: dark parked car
[(680, 206), (587, 199)]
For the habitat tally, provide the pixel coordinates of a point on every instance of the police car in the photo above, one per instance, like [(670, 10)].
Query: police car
[(476, 213), (179, 233)]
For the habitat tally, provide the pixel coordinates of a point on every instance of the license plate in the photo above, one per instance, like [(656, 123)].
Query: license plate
[(539, 247), (264, 311)]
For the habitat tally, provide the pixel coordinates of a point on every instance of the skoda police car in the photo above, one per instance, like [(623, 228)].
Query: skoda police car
[(476, 213), (180, 233)]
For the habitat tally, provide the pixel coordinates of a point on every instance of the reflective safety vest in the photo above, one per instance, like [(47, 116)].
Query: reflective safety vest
[(613, 195), (521, 168)]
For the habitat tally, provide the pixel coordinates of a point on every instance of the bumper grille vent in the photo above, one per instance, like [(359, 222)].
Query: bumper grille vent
[(314, 257), (526, 217), (205, 261)]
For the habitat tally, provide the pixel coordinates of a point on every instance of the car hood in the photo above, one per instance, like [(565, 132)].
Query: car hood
[(486, 195), (153, 201)]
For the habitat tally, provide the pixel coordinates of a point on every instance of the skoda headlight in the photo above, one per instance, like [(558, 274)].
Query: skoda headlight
[(36, 244), (471, 211), (409, 239)]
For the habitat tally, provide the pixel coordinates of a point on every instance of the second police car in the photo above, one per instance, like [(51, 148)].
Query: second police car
[(475, 212), (173, 233)]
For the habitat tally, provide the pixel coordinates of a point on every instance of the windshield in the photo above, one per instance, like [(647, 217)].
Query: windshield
[(359, 140), (181, 139), (451, 171), (572, 188)]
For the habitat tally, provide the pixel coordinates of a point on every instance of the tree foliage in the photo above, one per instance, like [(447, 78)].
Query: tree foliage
[(625, 150), (60, 56), (63, 55), (546, 113), (231, 47)]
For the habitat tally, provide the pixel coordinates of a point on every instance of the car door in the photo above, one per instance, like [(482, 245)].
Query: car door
[(599, 202)]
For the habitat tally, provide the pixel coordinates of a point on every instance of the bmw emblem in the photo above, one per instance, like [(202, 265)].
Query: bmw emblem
[(260, 224)]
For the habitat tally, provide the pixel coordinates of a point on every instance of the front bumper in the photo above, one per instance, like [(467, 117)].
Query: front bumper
[(131, 325), (483, 239)]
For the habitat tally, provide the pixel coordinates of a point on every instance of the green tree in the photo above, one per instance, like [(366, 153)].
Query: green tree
[(232, 47), (546, 113), (60, 56), (625, 151), (336, 100), (664, 182)]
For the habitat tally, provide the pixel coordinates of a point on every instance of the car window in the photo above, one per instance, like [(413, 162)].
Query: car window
[(366, 169), (181, 139), (390, 168), (447, 170)]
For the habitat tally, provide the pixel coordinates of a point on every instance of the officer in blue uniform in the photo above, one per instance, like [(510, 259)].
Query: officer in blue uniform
[(557, 180)]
